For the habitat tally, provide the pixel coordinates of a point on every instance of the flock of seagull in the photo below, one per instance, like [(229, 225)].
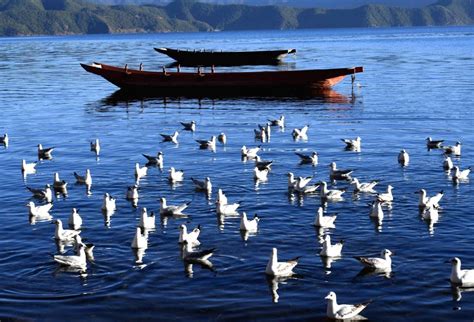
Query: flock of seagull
[(189, 239)]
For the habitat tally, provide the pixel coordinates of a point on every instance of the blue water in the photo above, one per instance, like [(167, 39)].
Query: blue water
[(417, 83)]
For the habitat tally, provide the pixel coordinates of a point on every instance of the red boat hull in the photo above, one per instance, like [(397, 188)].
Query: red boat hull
[(256, 82)]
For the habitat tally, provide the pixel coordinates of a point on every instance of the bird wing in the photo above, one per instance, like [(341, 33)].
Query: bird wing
[(347, 311)]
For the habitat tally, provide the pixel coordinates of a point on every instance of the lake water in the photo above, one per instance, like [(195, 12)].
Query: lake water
[(417, 83)]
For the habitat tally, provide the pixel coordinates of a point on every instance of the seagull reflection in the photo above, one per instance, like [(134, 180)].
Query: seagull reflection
[(164, 218), (327, 262), (107, 217), (320, 233), (221, 219), (457, 291), (352, 148), (60, 192), (68, 269), (258, 182), (205, 264), (273, 283), (245, 235), (369, 271), (138, 253), (41, 218), (377, 223)]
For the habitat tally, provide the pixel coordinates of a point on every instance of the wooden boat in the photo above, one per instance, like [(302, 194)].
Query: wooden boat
[(258, 82), (225, 58)]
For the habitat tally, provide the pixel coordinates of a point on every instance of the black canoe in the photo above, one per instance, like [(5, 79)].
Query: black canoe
[(225, 58)]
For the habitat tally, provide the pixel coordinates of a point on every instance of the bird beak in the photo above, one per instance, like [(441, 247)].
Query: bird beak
[(327, 297)]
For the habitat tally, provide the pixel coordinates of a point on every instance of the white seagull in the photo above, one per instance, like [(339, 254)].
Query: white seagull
[(430, 213), (300, 133), (339, 174), (171, 138), (175, 175), (331, 194), (227, 208), (278, 122), (308, 159), (249, 153), (169, 210), (221, 197), (191, 126), (261, 175), (146, 222), (403, 158), (39, 211), (453, 149), (447, 163), (140, 241), (329, 250), (384, 263), (207, 144), (463, 277), (249, 225), (155, 160), (75, 220), (324, 221), (461, 174), (64, 234), (191, 237), (196, 255), (4, 139), (46, 193), (140, 172), (343, 311), (376, 210), (108, 203), (364, 186), (352, 143), (74, 261), (386, 196), (276, 268), (28, 168), (222, 138), (58, 183), (95, 146), (87, 179), (203, 185), (132, 192), (427, 202)]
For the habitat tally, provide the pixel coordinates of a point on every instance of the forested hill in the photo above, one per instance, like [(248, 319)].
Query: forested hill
[(58, 17)]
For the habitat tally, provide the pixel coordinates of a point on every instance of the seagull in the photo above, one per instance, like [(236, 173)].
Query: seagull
[(28, 167), (207, 144), (140, 172), (260, 134), (191, 126), (331, 194), (170, 210), (427, 202), (155, 160), (87, 179), (300, 133), (95, 146), (433, 144), (453, 149), (267, 129), (46, 194), (39, 211), (171, 138), (221, 197), (222, 138), (58, 183), (387, 196), (132, 192), (324, 221), (430, 213), (108, 203), (447, 163), (291, 180), (191, 237), (44, 153), (88, 248), (276, 268), (464, 277), (249, 153), (74, 261), (249, 225), (4, 139), (278, 122), (461, 174), (343, 311), (376, 210), (364, 186), (301, 185), (204, 185), (403, 158), (339, 174), (64, 234), (75, 220), (384, 263), (263, 164), (352, 143), (331, 250), (199, 255), (140, 241), (227, 208), (146, 222), (261, 175), (175, 175), (308, 159)]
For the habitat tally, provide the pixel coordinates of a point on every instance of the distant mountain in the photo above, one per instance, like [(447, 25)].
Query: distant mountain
[(56, 17), (326, 4)]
